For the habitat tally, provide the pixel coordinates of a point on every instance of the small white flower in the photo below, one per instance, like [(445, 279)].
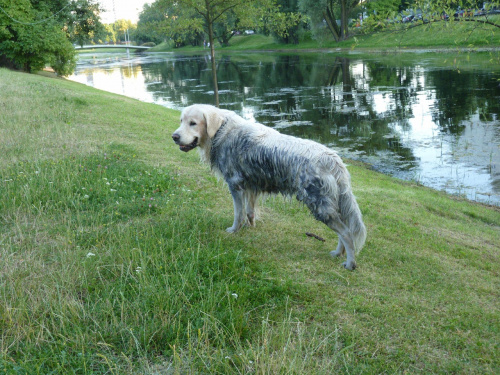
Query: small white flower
[(112, 189), (37, 172), (107, 183), (86, 196), (83, 189), (234, 295), (138, 269), (90, 255)]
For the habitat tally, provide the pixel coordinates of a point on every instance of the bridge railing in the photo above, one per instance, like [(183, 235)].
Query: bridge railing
[(98, 46)]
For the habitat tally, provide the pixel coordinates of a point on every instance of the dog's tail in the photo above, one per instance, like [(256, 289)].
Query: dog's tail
[(351, 215)]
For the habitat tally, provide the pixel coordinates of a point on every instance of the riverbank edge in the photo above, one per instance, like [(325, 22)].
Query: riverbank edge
[(383, 50), (361, 50), (351, 51)]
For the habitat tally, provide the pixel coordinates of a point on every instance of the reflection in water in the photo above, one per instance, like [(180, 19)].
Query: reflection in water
[(437, 126)]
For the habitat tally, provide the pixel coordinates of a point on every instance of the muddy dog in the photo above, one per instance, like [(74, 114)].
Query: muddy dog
[(255, 159)]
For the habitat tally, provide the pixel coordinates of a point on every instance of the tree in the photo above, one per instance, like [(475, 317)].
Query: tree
[(148, 26), (83, 23), (109, 33), (120, 28), (204, 15), (179, 23), (35, 33), (330, 13), (284, 22)]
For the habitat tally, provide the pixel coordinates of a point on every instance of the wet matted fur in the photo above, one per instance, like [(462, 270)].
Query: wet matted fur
[(254, 159)]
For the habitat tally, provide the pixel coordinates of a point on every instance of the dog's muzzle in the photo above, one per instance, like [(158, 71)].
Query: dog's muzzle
[(185, 148)]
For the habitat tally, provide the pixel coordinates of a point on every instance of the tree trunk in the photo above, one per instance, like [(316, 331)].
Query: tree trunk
[(212, 53), (332, 23), (343, 19)]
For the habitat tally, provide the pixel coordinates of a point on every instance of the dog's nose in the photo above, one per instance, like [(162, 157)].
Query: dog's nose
[(176, 137)]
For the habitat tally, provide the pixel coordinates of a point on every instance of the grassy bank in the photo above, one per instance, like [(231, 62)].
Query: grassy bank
[(439, 35), (115, 259)]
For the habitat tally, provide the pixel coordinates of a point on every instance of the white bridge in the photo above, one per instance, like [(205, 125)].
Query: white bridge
[(127, 46)]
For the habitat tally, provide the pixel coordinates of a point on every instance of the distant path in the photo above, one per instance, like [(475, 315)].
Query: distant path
[(95, 46)]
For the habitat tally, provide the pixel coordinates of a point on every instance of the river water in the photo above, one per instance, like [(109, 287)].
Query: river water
[(434, 119)]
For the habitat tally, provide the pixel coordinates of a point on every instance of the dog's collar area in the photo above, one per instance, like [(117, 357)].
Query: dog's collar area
[(190, 146)]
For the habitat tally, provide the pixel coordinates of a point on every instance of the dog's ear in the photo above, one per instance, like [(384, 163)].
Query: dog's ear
[(213, 119)]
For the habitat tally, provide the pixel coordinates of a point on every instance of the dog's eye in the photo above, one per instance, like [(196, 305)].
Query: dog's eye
[(192, 123)]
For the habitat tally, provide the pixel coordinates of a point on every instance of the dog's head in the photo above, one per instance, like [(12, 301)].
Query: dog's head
[(199, 123)]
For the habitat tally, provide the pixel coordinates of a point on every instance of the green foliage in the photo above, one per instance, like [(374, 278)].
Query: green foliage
[(190, 21), (148, 26), (34, 34), (285, 21), (121, 27), (384, 8), (329, 18), (384, 16), (31, 52), (83, 24), (171, 20)]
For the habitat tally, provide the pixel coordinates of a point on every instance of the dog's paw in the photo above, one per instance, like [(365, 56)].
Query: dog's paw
[(351, 266), (232, 230), (336, 253)]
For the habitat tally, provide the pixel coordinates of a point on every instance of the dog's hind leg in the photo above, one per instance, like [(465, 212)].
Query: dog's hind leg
[(239, 215), (340, 250), (250, 199), (345, 243)]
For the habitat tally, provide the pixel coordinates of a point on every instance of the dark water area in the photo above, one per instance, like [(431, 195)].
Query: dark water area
[(425, 118)]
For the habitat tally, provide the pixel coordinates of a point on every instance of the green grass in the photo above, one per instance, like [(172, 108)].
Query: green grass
[(438, 35), (115, 259), (434, 35)]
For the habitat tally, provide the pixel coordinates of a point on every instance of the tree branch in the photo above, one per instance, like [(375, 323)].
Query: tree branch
[(223, 11), (204, 15)]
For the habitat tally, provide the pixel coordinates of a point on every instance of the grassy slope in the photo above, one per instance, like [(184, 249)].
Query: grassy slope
[(79, 169), (437, 35)]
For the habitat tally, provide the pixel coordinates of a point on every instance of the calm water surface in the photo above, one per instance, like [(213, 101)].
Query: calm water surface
[(420, 118)]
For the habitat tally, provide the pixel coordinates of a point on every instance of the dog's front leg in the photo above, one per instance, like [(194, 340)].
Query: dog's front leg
[(239, 215)]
